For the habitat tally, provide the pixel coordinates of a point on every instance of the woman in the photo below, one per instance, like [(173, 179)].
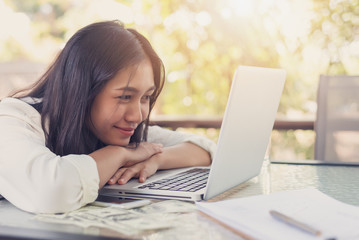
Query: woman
[(85, 124)]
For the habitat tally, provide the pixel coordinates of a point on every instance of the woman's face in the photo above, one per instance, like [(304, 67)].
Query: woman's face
[(123, 104)]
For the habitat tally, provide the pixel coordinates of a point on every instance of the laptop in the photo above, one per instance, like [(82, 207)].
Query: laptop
[(244, 135)]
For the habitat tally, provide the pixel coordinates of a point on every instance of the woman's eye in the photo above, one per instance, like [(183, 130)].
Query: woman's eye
[(147, 97), (125, 97)]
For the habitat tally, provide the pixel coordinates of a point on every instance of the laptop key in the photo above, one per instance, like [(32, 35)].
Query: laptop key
[(191, 180)]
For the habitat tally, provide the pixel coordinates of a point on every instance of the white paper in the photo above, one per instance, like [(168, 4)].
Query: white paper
[(251, 216)]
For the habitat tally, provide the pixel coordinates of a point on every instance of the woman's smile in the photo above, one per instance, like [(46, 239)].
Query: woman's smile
[(128, 132)]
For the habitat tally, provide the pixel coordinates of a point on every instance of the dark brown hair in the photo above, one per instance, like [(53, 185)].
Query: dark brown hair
[(68, 88)]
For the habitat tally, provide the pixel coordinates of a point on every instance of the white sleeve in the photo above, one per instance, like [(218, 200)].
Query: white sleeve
[(31, 176), (168, 138)]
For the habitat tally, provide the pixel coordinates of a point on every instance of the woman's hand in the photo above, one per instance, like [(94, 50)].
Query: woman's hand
[(181, 155), (110, 158), (141, 170), (142, 152)]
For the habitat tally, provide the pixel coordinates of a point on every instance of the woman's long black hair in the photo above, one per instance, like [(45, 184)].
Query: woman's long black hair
[(68, 88)]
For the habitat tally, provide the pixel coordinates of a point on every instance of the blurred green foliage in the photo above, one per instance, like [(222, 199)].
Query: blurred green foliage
[(201, 43)]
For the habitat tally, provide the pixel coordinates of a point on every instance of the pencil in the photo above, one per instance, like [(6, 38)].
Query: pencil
[(295, 223)]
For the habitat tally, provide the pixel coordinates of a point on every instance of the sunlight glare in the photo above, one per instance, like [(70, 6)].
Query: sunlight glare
[(187, 101), (203, 18), (242, 8), (109, 9), (19, 27), (226, 13)]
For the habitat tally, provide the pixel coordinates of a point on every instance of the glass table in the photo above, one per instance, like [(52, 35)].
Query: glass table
[(339, 182)]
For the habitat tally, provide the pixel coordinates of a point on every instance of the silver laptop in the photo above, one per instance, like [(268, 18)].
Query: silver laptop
[(246, 128)]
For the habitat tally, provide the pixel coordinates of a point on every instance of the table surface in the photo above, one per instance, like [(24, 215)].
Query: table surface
[(339, 182)]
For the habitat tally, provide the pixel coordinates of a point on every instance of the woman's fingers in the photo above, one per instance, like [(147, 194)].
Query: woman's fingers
[(129, 173), (117, 175), (141, 170), (143, 176)]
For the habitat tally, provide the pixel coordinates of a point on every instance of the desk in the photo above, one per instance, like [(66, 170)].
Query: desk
[(339, 182)]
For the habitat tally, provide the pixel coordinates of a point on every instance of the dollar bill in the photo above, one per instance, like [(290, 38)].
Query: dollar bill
[(168, 206), (156, 216)]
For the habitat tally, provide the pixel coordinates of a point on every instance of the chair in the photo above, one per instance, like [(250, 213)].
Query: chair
[(337, 123)]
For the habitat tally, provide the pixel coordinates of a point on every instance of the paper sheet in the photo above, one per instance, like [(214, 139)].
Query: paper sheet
[(251, 215)]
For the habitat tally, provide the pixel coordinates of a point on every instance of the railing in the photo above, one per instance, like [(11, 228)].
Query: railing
[(195, 122)]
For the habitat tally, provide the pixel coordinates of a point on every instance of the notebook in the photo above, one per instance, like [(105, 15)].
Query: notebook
[(244, 135)]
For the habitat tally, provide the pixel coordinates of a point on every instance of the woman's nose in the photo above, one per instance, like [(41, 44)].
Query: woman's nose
[(134, 113)]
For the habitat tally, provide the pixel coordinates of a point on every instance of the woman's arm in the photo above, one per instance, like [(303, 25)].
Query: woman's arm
[(180, 150), (32, 177), (36, 180), (110, 158), (169, 138), (181, 155)]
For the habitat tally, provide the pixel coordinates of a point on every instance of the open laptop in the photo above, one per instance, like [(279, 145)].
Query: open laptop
[(244, 135)]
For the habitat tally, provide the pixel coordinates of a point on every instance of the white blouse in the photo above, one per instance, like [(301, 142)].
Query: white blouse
[(35, 179)]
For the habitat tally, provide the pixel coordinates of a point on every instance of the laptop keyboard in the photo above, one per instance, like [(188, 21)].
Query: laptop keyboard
[(188, 181)]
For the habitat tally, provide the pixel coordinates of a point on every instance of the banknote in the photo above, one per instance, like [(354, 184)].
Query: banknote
[(168, 206), (156, 216)]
